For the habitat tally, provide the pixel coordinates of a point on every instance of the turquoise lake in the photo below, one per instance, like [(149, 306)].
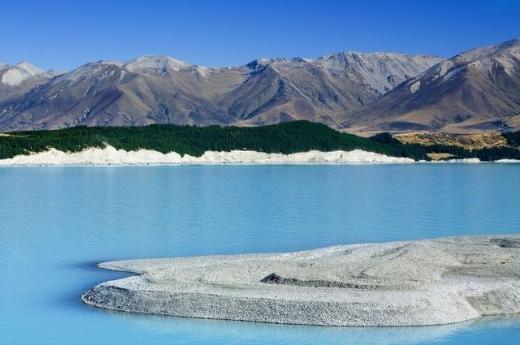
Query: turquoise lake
[(57, 223)]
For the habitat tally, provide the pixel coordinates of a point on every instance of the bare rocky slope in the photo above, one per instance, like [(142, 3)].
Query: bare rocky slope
[(158, 89), (476, 91)]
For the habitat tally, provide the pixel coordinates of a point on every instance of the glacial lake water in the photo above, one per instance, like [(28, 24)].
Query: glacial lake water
[(56, 223)]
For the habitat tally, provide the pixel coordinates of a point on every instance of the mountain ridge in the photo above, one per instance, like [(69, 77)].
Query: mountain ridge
[(474, 91), (477, 90), (161, 89)]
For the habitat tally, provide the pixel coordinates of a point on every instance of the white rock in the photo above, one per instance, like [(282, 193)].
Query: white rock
[(112, 156), (510, 161)]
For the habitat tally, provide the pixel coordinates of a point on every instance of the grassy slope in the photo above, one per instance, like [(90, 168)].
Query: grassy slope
[(492, 153), (467, 141), (287, 137)]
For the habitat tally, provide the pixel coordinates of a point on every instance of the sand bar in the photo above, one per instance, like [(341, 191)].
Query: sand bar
[(409, 283)]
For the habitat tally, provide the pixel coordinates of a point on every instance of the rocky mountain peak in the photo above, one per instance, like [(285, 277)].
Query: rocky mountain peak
[(152, 62)]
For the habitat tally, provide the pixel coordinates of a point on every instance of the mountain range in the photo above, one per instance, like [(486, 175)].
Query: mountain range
[(478, 90), (475, 91)]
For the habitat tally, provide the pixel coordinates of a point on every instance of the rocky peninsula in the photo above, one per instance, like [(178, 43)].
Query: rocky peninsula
[(425, 282)]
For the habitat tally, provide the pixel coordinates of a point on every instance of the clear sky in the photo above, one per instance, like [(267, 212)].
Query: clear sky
[(65, 34)]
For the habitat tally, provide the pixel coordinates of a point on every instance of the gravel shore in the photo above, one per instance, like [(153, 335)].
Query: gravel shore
[(409, 283)]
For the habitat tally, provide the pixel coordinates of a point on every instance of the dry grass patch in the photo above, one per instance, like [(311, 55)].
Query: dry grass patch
[(467, 141), (439, 156)]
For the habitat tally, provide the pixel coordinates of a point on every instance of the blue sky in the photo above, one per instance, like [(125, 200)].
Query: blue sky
[(65, 34)]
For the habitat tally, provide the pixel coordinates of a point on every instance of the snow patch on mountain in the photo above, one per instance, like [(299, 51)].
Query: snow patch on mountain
[(16, 74), (148, 62), (415, 86)]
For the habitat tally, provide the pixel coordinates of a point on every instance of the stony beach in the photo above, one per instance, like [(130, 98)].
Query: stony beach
[(408, 283)]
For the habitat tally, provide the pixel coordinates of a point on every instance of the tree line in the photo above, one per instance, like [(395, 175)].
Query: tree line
[(289, 137)]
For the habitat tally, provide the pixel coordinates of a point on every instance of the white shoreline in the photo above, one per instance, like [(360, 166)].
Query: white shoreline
[(408, 283), (109, 156), (112, 156)]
